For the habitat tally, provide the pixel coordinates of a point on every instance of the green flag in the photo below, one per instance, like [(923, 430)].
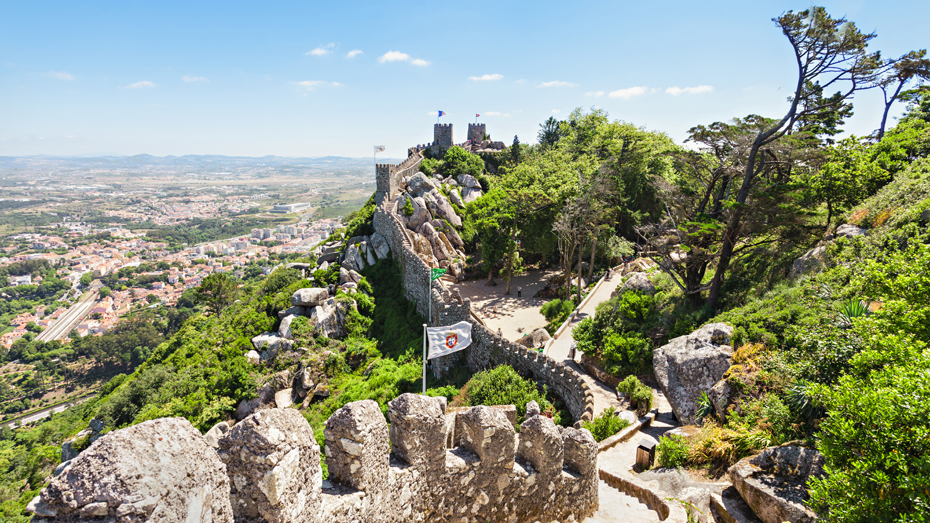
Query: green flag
[(435, 274)]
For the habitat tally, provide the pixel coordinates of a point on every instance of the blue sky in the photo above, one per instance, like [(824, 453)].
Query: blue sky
[(284, 78)]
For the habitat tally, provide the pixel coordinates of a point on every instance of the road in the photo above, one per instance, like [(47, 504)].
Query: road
[(70, 319), (44, 413)]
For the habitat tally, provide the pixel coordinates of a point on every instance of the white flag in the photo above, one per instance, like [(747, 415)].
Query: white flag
[(379, 149), (446, 340)]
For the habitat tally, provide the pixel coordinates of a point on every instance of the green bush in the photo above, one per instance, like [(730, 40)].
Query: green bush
[(641, 395), (672, 451), (626, 353), (605, 424), (408, 207), (557, 310), (503, 386)]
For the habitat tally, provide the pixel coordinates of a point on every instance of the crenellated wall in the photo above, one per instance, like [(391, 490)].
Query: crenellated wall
[(267, 468)]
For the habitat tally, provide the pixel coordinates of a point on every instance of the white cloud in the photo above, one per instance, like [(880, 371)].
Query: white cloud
[(675, 91), (496, 113), (486, 77), (397, 56), (595, 94), (144, 84), (60, 75), (353, 53), (556, 111), (310, 85), (194, 79), (394, 56), (627, 93), (322, 50), (557, 83)]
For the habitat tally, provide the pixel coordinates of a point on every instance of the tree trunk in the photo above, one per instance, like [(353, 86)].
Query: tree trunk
[(593, 250), (580, 254)]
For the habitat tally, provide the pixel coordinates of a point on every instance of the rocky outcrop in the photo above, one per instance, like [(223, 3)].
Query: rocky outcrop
[(419, 183), (441, 208), (470, 194), (774, 482), (380, 246), (469, 181), (158, 470), (309, 297), (273, 461), (813, 261), (69, 449), (535, 339), (639, 282), (849, 231), (270, 344), (689, 365)]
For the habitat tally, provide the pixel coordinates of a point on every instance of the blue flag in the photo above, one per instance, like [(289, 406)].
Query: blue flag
[(441, 113)]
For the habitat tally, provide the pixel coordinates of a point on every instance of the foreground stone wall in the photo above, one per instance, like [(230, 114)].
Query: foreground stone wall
[(487, 349), (267, 468)]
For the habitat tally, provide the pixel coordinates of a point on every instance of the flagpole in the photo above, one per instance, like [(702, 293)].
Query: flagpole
[(424, 359)]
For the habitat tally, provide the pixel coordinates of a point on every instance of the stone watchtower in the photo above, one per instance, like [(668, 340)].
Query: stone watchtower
[(442, 138), (476, 132), (385, 182)]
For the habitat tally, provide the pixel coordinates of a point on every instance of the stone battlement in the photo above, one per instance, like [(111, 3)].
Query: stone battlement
[(267, 468)]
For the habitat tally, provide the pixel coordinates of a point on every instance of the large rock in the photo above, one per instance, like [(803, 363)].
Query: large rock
[(369, 253), (441, 208), (274, 462), (470, 194), (419, 183), (774, 482), (535, 339), (456, 198), (358, 260), (380, 245), (467, 180), (420, 213), (849, 231), (441, 249), (450, 233), (284, 330), (158, 470), (212, 437), (271, 344), (813, 261), (689, 365), (309, 297), (638, 281)]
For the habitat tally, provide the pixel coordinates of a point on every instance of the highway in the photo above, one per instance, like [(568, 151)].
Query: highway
[(70, 319), (46, 412)]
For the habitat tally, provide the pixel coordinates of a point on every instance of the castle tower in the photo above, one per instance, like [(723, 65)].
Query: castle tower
[(442, 138), (385, 182), (476, 132)]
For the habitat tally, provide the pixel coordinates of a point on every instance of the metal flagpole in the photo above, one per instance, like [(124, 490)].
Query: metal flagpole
[(424, 359)]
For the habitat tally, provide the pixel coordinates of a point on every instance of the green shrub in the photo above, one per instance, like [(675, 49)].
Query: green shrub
[(626, 353), (503, 386), (605, 424), (641, 395), (408, 207), (557, 310), (672, 451)]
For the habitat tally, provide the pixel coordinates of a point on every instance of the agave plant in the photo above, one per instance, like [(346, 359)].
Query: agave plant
[(705, 407), (806, 405), (852, 308)]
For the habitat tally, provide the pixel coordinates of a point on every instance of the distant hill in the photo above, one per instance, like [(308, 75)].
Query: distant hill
[(193, 161)]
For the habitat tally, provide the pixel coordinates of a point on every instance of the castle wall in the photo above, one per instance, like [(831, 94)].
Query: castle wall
[(476, 132)]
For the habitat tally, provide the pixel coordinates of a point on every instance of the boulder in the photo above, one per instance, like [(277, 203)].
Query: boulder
[(812, 262), (323, 266), (264, 399), (274, 462), (296, 310), (689, 365), (369, 253), (456, 198), (355, 257), (380, 245), (344, 275), (437, 245), (309, 297), (212, 437), (774, 482), (284, 330), (159, 470), (441, 208), (450, 233), (306, 379), (420, 213), (535, 339), (284, 398), (849, 231), (470, 194), (271, 344), (253, 357), (638, 281), (532, 409), (467, 180), (419, 183), (332, 248), (722, 395)]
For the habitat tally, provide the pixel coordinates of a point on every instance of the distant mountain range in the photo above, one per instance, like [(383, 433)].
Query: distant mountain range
[(192, 161)]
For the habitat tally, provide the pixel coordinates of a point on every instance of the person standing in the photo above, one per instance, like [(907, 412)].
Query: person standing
[(519, 291), (571, 351)]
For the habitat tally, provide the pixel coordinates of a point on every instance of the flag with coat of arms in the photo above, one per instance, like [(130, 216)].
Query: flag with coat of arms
[(446, 340)]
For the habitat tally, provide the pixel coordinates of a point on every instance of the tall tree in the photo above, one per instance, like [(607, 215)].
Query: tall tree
[(899, 73), (549, 133), (830, 53), (217, 291)]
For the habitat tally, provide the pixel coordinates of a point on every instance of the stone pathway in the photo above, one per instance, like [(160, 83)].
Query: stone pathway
[(615, 506)]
